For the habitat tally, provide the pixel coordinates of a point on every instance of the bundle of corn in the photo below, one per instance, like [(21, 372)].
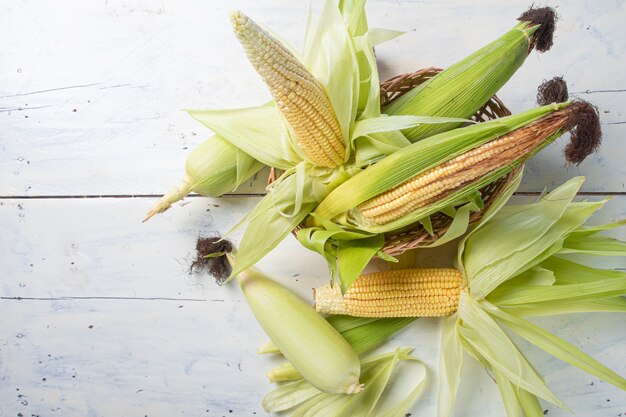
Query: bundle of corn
[(263, 221), (325, 123), (509, 266), (355, 173), (443, 171)]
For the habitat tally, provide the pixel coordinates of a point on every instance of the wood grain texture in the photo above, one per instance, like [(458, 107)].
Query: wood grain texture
[(99, 315), (80, 81)]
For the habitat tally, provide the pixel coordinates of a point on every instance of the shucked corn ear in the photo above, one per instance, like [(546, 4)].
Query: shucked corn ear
[(316, 350), (463, 88), (297, 93), (402, 188), (213, 168), (427, 292)]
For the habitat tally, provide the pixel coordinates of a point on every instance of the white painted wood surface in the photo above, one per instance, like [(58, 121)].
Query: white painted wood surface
[(99, 316)]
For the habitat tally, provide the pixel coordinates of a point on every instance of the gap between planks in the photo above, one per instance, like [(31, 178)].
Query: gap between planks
[(243, 195), (111, 298)]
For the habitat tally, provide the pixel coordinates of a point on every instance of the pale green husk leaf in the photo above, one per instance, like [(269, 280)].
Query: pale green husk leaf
[(450, 365), (354, 255), (330, 56), (536, 232), (482, 333), (386, 123), (377, 36), (605, 305), (372, 401), (258, 131), (276, 215), (508, 394), (556, 346)]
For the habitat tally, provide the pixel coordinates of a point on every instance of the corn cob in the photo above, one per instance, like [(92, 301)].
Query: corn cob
[(428, 292), (456, 173), (299, 96), (464, 87), (405, 186)]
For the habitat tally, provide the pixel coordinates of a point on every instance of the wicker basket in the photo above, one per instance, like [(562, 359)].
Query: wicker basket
[(398, 243)]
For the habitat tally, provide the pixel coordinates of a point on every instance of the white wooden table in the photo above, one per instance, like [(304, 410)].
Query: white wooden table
[(98, 314)]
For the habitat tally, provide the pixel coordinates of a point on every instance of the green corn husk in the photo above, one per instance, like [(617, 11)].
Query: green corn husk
[(363, 335), (326, 361), (513, 266), (213, 168), (467, 85)]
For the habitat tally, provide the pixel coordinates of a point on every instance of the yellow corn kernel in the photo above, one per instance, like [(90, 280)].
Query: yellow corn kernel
[(444, 179), (425, 292), (299, 96)]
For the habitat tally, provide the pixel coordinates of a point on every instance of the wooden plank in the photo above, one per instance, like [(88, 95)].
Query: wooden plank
[(163, 342), (166, 358), (90, 97), (99, 247)]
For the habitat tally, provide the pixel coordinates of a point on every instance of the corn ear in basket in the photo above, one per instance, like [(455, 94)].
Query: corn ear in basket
[(464, 87)]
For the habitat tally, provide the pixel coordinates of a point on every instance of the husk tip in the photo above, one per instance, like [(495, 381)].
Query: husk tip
[(159, 207), (151, 213), (272, 377), (172, 196), (354, 388)]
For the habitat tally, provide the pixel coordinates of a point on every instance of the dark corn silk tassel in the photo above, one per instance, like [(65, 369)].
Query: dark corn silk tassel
[(546, 18), (552, 91), (583, 120)]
